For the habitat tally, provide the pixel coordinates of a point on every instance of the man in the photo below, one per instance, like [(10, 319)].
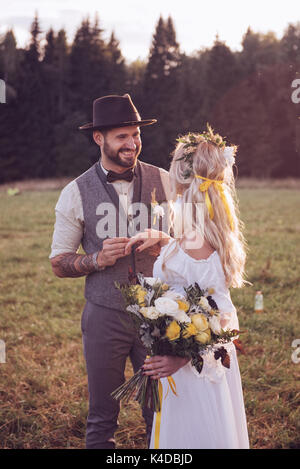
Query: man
[(93, 210)]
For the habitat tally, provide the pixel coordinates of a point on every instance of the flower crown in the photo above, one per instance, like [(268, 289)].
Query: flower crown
[(192, 140)]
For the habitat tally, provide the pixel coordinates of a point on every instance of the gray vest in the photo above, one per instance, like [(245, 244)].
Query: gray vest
[(94, 191)]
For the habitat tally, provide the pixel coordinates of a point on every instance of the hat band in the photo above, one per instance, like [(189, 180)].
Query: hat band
[(132, 118)]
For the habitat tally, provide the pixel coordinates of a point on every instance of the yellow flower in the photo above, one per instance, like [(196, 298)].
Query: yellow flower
[(189, 330), (203, 331), (173, 331), (211, 291), (165, 287), (140, 295), (200, 322), (183, 305), (203, 337)]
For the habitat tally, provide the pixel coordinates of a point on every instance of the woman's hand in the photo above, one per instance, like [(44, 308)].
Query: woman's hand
[(146, 240), (163, 366)]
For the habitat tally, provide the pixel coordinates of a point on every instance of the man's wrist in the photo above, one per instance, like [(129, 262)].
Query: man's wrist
[(98, 267)]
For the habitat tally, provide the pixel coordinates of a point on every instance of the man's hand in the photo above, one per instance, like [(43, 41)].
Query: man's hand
[(163, 366), (112, 250)]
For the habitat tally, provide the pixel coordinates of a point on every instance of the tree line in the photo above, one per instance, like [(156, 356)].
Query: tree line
[(244, 95)]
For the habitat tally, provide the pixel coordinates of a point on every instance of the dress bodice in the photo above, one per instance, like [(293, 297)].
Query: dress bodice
[(176, 268)]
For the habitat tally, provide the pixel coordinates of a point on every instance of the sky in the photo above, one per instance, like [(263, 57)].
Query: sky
[(196, 22)]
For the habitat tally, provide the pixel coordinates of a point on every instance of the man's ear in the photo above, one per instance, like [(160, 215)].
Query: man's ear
[(98, 137)]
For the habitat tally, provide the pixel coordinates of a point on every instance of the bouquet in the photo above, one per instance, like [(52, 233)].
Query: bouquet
[(169, 323)]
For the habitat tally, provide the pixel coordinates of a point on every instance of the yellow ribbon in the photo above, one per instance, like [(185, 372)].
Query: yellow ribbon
[(172, 385), (158, 417), (219, 186)]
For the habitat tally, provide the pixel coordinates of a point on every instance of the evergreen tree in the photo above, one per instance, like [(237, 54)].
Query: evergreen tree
[(221, 75), (135, 80), (116, 68), (161, 94), (62, 64), (88, 66), (249, 56), (32, 139), (33, 52), (10, 57), (9, 69), (55, 66), (290, 44), (49, 48), (193, 91)]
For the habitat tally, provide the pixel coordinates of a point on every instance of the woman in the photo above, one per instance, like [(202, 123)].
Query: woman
[(208, 248)]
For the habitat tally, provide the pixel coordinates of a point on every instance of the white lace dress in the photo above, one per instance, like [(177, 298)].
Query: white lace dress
[(208, 411)]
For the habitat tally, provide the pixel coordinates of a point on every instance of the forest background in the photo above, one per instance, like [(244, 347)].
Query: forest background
[(251, 96)]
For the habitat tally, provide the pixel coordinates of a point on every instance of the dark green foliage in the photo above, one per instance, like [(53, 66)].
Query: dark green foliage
[(50, 87), (162, 94)]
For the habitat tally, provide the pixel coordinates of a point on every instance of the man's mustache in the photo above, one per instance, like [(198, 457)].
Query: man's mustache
[(129, 149)]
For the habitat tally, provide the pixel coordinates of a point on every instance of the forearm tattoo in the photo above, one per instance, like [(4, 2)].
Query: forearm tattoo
[(73, 265)]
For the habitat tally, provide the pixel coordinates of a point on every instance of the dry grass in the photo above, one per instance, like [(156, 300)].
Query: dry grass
[(36, 184), (252, 183), (59, 183), (43, 385)]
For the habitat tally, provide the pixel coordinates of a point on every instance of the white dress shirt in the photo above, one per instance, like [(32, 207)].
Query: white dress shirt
[(69, 224)]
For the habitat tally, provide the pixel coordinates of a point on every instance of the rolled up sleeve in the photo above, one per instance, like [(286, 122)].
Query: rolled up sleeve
[(69, 223)]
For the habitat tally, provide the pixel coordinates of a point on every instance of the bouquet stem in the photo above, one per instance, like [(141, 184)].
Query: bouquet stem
[(142, 389)]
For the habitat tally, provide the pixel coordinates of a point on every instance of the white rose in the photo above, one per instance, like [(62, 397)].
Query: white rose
[(215, 325), (204, 304), (151, 280), (228, 154), (158, 211), (150, 312), (181, 316), (173, 295), (166, 306)]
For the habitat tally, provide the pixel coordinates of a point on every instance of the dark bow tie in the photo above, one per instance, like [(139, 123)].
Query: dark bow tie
[(126, 176)]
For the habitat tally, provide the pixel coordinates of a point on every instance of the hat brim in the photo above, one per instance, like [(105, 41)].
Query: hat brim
[(140, 123)]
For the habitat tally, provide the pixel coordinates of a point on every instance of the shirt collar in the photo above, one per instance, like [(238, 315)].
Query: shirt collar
[(106, 172), (103, 169)]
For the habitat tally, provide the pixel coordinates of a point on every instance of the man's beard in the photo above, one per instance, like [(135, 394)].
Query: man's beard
[(112, 155)]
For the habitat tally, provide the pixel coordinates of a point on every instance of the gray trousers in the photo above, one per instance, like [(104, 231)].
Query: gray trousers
[(109, 338)]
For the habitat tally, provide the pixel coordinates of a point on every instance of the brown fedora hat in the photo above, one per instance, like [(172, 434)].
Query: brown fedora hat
[(115, 111)]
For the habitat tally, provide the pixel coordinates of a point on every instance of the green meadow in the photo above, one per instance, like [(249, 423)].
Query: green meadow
[(43, 384)]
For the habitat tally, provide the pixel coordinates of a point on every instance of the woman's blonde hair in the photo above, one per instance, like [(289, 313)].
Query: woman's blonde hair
[(208, 160)]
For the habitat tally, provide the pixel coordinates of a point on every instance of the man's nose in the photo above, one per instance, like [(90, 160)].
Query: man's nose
[(131, 143)]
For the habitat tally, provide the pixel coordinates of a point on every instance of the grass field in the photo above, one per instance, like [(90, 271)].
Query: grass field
[(43, 384)]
